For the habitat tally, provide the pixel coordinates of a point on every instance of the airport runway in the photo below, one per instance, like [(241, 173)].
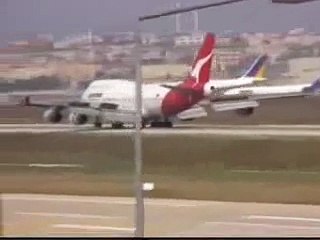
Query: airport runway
[(187, 129), (58, 215)]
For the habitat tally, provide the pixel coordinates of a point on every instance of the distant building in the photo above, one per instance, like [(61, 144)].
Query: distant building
[(153, 57), (30, 45), (78, 40), (228, 57), (304, 70), (123, 38), (150, 39), (189, 39)]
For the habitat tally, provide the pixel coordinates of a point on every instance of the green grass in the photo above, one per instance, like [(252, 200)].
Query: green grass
[(230, 188), (172, 154), (181, 167)]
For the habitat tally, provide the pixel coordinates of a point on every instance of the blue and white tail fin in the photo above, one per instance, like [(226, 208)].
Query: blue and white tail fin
[(258, 69)]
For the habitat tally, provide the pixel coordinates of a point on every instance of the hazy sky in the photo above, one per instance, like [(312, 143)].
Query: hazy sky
[(60, 17)]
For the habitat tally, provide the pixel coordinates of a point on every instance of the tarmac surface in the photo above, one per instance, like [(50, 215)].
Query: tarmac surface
[(190, 129), (61, 215)]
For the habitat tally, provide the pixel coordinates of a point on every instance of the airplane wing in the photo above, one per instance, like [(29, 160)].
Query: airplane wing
[(45, 93), (106, 111), (103, 106), (27, 103)]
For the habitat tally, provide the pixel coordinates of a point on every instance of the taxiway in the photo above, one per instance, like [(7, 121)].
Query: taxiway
[(60, 215)]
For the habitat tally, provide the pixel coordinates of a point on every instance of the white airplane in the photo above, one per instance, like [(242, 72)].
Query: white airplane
[(271, 90), (245, 99), (255, 73), (112, 101)]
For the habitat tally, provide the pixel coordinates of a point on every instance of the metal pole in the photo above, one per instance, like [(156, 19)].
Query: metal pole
[(139, 209), (178, 19), (195, 21)]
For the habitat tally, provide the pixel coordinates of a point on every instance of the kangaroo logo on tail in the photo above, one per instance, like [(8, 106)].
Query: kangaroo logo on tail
[(202, 64), (199, 65)]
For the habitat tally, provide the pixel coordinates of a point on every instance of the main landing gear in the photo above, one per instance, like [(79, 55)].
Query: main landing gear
[(120, 125), (117, 125)]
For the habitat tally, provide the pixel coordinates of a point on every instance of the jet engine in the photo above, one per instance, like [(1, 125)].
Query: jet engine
[(52, 115), (245, 111), (78, 119)]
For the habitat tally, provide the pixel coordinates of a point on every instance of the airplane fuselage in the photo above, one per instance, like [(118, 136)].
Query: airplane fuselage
[(158, 102)]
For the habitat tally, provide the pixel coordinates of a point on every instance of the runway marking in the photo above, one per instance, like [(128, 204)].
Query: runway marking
[(69, 215), (56, 165), (250, 132), (88, 233), (273, 171), (267, 225), (91, 227), (283, 218), (96, 200), (41, 165)]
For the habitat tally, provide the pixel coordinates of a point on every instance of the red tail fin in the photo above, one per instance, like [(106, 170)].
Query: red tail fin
[(202, 65)]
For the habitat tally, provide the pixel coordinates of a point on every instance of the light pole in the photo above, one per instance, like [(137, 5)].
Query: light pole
[(139, 209)]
